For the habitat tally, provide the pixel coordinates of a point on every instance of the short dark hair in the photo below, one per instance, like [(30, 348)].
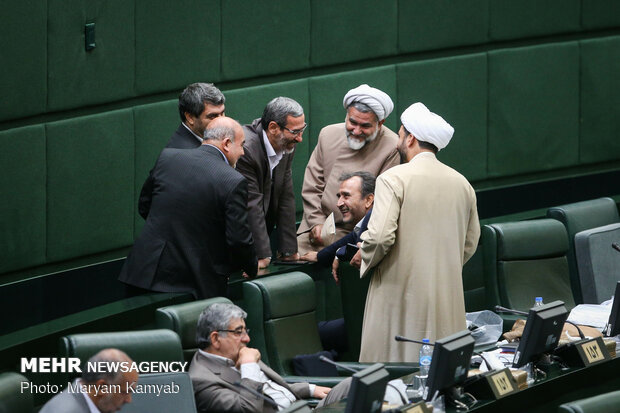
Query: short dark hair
[(278, 109), (215, 317), (368, 181), (423, 144), (194, 97)]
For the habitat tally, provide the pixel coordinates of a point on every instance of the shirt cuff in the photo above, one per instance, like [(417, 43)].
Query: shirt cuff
[(312, 387), (250, 371)]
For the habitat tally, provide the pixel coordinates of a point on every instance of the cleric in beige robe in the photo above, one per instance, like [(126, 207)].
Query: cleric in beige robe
[(361, 143), (423, 228)]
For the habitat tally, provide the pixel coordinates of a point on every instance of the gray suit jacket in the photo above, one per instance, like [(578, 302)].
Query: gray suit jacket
[(215, 390), (269, 204), (66, 403)]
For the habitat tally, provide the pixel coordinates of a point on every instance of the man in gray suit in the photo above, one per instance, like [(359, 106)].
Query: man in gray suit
[(269, 147), (105, 391), (227, 374)]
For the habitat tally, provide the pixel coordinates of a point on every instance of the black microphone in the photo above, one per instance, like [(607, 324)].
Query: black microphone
[(615, 246), (333, 363), (259, 394), (581, 335), (509, 310), (401, 338)]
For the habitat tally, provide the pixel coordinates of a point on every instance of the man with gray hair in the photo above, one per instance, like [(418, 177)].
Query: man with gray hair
[(226, 373), (362, 142), (197, 232), (103, 392), (268, 155), (199, 104)]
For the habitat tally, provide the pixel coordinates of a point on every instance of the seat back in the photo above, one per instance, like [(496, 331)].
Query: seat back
[(598, 262), (163, 392), (283, 309), (608, 403), (578, 217), (524, 260), (12, 399), (182, 319), (145, 345)]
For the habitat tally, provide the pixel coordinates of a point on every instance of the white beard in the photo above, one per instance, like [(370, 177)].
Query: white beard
[(356, 144)]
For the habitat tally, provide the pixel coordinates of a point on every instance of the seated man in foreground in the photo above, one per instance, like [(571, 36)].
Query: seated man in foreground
[(224, 370)]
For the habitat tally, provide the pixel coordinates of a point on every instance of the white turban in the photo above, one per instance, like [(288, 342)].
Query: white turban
[(378, 101), (427, 126)]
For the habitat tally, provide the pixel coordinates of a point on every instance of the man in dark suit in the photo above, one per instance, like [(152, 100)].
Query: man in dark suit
[(106, 391), (269, 148), (224, 359), (199, 104), (197, 232)]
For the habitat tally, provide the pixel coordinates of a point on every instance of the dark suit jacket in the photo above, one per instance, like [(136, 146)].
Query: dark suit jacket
[(325, 257), (269, 204), (215, 390), (181, 139), (197, 230), (67, 403)]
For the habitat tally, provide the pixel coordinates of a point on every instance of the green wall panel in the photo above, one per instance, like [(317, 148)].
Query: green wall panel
[(600, 100), (533, 109), (511, 19), (437, 24), (456, 89), (247, 104), (22, 204), (177, 43), (351, 30), (600, 13), (78, 77), (154, 125), (261, 38), (327, 92), (90, 184), (23, 54)]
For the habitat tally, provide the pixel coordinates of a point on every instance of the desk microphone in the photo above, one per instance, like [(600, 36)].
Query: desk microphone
[(510, 310), (615, 246), (259, 394), (401, 338), (333, 363)]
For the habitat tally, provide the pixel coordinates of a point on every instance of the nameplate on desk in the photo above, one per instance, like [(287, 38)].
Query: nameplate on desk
[(493, 385), (502, 383), (593, 351)]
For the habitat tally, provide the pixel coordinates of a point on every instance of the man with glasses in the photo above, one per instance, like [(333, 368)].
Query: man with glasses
[(269, 147), (227, 374), (361, 143)]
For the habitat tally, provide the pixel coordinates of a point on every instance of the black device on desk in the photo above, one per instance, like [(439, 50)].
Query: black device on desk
[(541, 333), (367, 390), (613, 328), (450, 362)]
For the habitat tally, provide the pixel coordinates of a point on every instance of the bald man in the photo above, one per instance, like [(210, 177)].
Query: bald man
[(423, 228), (105, 392), (197, 231)]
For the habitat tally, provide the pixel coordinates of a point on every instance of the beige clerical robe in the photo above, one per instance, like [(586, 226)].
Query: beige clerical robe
[(330, 158), (423, 228)]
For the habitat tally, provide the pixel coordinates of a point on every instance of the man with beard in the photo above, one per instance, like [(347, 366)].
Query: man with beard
[(363, 143), (266, 164), (423, 228)]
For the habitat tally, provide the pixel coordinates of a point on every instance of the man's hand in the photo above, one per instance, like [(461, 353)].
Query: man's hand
[(248, 355), (356, 261), (315, 235), (264, 262), (335, 266), (294, 257), (320, 392), (309, 256)]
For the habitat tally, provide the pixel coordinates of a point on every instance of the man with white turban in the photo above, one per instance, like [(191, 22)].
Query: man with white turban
[(361, 143), (423, 228)]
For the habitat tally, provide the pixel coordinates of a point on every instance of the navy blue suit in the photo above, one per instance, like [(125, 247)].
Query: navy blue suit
[(326, 256)]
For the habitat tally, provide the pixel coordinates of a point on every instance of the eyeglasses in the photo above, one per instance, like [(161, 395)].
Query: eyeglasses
[(238, 332), (296, 131)]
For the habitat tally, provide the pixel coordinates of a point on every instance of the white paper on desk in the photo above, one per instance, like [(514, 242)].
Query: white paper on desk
[(328, 233), (593, 315)]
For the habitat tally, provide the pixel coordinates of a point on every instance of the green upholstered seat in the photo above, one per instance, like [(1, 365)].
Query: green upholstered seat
[(598, 263), (608, 403), (179, 400), (524, 260), (145, 345), (578, 217), (12, 399), (182, 319)]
